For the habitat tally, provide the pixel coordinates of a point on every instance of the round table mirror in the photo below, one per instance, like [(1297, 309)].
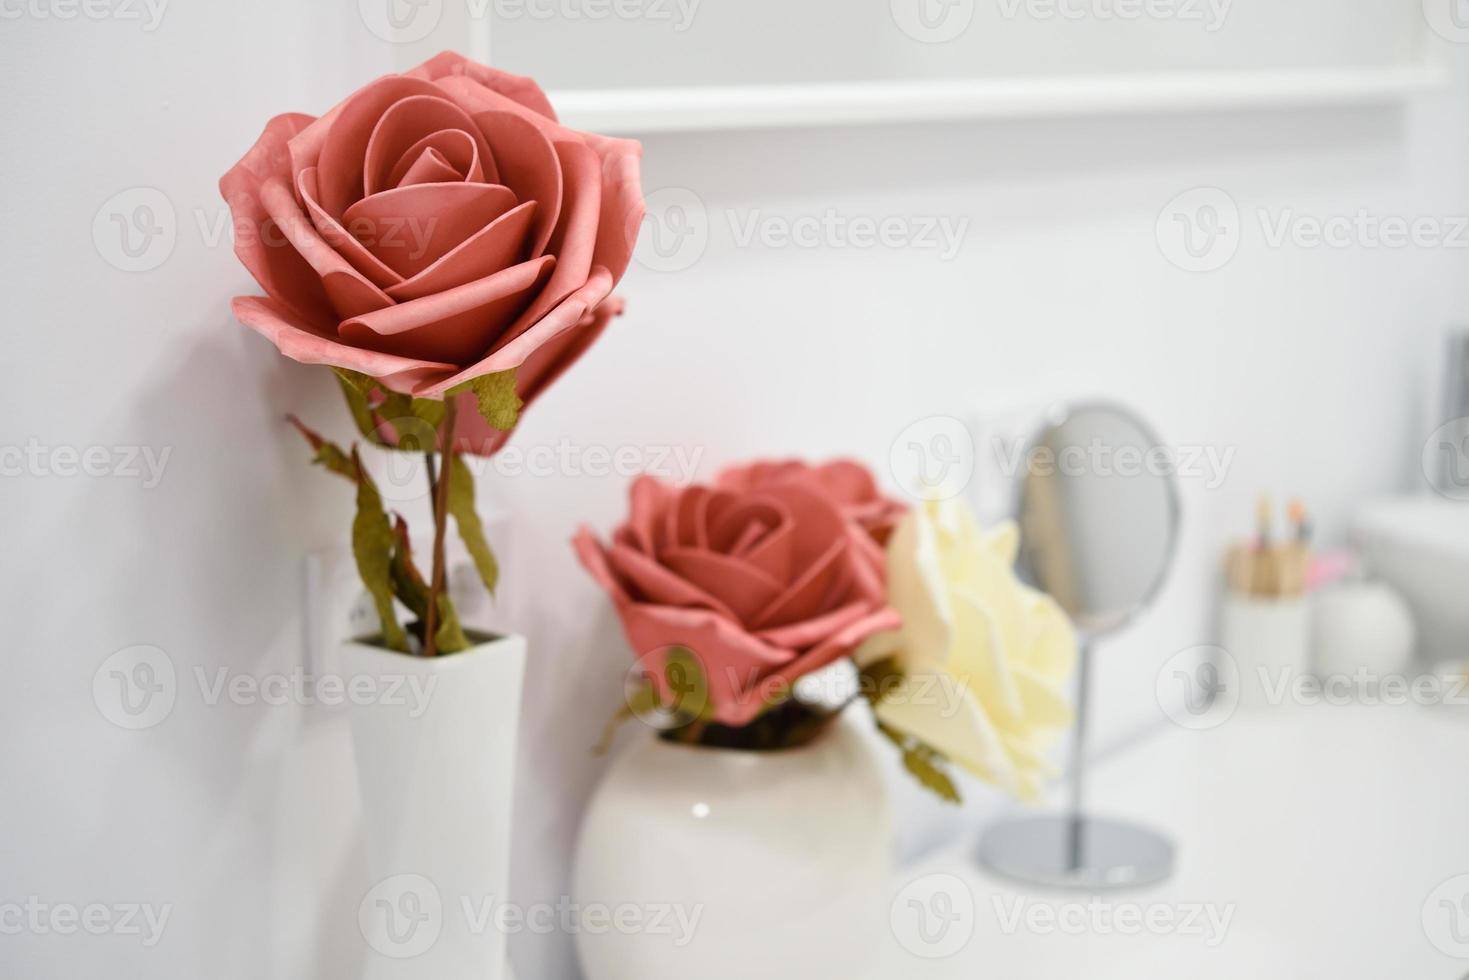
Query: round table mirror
[(1099, 518)]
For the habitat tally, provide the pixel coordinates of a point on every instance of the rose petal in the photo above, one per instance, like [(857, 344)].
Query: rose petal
[(528, 165), (282, 272), (647, 497), (298, 341), (406, 123), (838, 646), (498, 245), (518, 88), (659, 585), (744, 589), (594, 559), (349, 291), (622, 203), (410, 228), (825, 581), (688, 519), (537, 373), (574, 239), (461, 149), (773, 553), (815, 516), (456, 325), (343, 150), (336, 236), (515, 353), (808, 632), (431, 167)]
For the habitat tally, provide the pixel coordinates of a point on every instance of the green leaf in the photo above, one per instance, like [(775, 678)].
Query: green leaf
[(498, 402), (372, 404), (328, 454), (449, 637), (922, 762), (408, 583), (372, 545), (461, 505), (356, 394)]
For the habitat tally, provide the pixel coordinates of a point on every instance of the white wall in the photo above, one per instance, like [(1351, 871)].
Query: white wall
[(1308, 362)]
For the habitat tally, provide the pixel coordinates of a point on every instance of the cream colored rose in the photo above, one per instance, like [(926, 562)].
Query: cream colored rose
[(986, 658)]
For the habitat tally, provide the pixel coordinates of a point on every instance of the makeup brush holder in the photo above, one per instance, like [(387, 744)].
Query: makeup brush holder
[(1269, 638)]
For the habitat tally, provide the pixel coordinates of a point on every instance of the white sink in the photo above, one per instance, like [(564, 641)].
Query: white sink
[(1420, 546)]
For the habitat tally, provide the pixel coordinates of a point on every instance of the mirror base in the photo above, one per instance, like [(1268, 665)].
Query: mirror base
[(1090, 853)]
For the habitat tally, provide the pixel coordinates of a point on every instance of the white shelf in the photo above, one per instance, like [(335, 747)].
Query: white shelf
[(656, 110)]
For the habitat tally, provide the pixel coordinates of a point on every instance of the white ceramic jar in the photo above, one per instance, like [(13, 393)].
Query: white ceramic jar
[(751, 865)]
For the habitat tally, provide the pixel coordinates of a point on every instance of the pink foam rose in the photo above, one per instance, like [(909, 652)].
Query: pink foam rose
[(434, 227), (764, 576)]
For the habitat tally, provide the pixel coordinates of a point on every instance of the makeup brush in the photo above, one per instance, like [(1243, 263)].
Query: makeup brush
[(1262, 522), (1296, 510)]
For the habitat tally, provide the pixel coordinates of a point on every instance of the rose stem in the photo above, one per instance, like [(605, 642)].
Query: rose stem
[(441, 512)]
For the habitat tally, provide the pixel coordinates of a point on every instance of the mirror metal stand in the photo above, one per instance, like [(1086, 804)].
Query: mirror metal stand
[(1072, 849)]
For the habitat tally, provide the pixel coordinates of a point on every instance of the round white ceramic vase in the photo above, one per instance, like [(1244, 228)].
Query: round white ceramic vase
[(724, 864)]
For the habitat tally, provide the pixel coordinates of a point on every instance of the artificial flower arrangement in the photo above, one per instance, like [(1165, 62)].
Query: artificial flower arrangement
[(448, 249), (732, 592)]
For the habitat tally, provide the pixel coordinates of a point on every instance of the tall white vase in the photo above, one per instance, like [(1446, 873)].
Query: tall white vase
[(435, 748), (734, 865)]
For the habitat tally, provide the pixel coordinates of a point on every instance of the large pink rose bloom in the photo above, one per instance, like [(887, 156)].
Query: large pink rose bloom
[(436, 226), (763, 581)]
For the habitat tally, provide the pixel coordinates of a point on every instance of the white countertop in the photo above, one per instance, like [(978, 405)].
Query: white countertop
[(1321, 836)]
